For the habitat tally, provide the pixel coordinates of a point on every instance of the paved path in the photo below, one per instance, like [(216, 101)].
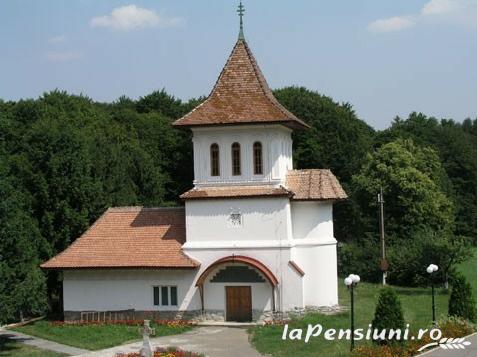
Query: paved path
[(211, 341), (470, 351), (41, 343)]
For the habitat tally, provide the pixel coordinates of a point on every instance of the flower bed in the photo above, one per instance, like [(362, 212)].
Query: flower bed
[(162, 352), (275, 322)]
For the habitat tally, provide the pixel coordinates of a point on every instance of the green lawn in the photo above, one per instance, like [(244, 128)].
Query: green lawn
[(14, 349), (93, 337), (416, 304), (468, 268)]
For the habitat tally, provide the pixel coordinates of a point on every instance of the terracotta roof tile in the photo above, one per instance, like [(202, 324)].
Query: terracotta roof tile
[(314, 184), (129, 237), (235, 192), (240, 96)]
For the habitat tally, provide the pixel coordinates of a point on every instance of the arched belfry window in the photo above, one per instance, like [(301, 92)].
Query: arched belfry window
[(236, 169), (257, 158), (214, 160)]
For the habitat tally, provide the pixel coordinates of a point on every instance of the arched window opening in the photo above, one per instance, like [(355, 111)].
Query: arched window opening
[(236, 169), (214, 160), (257, 158)]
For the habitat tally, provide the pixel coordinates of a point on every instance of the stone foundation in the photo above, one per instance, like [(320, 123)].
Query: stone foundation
[(111, 316), (193, 315)]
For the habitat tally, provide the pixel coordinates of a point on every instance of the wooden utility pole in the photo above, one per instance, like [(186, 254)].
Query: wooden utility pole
[(384, 264)]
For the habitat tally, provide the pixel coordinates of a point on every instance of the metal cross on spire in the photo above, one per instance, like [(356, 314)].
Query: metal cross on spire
[(240, 11)]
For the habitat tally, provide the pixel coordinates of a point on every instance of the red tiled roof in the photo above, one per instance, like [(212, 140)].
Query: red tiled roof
[(314, 185), (301, 185), (235, 192), (240, 96), (129, 237)]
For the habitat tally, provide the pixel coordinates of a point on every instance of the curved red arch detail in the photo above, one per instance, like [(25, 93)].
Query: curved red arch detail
[(239, 259)]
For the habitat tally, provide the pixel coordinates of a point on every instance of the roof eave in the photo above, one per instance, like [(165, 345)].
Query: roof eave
[(236, 197), (338, 199), (139, 267), (294, 125)]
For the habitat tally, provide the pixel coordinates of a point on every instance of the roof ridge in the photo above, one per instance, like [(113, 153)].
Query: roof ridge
[(266, 88), (333, 186), (214, 87)]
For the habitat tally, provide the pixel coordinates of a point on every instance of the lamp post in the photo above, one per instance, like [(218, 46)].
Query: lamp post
[(432, 269), (351, 281)]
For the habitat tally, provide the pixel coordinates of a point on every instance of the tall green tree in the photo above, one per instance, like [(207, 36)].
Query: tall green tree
[(337, 140), (22, 284), (456, 146), (413, 182)]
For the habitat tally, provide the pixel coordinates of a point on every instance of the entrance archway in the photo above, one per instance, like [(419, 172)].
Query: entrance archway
[(251, 262)]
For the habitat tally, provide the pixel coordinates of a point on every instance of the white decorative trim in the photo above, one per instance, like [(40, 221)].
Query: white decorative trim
[(258, 244), (237, 127)]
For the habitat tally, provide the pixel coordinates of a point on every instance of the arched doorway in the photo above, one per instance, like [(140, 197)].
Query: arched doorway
[(238, 275)]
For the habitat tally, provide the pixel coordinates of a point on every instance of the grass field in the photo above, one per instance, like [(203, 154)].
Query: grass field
[(93, 337), (16, 349), (469, 269), (416, 304)]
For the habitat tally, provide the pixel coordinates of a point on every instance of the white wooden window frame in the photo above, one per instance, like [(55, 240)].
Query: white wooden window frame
[(169, 295)]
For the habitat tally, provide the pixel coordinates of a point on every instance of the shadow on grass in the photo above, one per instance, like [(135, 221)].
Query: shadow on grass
[(7, 345), (419, 291)]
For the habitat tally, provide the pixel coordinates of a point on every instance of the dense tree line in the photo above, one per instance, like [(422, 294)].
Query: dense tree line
[(64, 159)]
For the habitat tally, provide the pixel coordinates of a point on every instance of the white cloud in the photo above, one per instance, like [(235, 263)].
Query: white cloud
[(57, 39), (435, 7), (63, 56), (456, 12), (131, 17), (395, 23)]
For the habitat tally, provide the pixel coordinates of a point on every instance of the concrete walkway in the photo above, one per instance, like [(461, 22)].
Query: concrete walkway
[(41, 343), (469, 351), (211, 341)]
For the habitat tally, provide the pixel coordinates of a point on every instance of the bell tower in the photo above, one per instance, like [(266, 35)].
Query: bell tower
[(241, 133)]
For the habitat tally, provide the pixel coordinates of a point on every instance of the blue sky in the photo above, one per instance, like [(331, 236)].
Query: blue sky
[(385, 57)]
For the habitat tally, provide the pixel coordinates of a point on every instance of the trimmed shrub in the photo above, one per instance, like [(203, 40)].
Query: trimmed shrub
[(461, 302), (388, 313)]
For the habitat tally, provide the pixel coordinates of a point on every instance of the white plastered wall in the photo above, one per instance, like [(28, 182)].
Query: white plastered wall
[(312, 220), (263, 219), (321, 276), (276, 145), (110, 290), (315, 251)]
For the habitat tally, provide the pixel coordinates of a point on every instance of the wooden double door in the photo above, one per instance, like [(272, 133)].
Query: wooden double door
[(238, 303)]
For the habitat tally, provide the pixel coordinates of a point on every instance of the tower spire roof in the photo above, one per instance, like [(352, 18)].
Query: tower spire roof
[(241, 95)]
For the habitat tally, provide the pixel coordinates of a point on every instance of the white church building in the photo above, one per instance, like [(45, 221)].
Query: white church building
[(254, 236)]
